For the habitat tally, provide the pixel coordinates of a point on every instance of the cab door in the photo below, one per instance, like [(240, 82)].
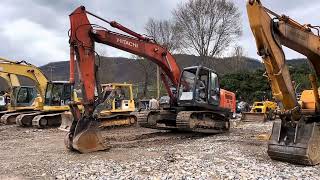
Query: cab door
[(214, 89)]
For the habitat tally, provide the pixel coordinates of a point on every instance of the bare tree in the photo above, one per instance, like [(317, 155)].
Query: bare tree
[(237, 55), (164, 32), (148, 68), (167, 34), (208, 27)]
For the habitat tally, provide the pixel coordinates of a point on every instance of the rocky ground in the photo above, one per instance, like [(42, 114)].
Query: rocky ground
[(138, 153)]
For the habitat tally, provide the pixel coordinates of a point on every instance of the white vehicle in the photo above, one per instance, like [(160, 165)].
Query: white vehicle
[(2, 103)]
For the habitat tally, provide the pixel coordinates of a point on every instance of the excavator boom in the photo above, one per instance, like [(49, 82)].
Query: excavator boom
[(296, 138), (11, 79), (83, 45), (12, 82)]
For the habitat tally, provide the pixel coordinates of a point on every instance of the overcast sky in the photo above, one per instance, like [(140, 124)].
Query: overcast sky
[(36, 30)]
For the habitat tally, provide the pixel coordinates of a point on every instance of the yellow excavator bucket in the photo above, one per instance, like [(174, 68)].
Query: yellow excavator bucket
[(295, 143)]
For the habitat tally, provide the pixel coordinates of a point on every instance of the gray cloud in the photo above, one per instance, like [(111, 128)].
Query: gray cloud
[(37, 30)]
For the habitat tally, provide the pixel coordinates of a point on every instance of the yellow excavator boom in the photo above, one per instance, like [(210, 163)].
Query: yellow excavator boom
[(11, 79), (296, 138), (26, 70)]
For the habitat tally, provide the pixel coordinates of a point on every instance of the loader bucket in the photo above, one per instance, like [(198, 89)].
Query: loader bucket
[(86, 137), (253, 117), (297, 143), (66, 121)]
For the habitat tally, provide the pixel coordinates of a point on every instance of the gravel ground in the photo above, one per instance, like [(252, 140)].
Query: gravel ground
[(139, 153)]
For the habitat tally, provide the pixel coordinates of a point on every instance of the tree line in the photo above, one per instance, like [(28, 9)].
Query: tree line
[(254, 86)]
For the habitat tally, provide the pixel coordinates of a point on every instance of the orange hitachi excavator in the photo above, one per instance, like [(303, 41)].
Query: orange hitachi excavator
[(296, 138), (199, 104)]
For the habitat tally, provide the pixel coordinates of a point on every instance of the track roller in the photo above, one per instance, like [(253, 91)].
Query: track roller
[(47, 120), (26, 119), (202, 121)]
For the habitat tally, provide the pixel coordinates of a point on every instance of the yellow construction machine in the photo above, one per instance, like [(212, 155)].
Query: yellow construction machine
[(115, 110), (261, 111), (23, 99), (118, 104), (12, 81), (52, 100), (296, 138)]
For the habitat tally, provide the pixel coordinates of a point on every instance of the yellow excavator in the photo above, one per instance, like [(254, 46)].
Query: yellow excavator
[(296, 138), (53, 97), (23, 99)]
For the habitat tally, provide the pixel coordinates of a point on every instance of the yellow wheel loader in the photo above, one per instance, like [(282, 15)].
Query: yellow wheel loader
[(52, 100), (261, 111)]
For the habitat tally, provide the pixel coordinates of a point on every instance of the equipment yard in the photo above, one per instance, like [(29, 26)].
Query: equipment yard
[(175, 94), (141, 153)]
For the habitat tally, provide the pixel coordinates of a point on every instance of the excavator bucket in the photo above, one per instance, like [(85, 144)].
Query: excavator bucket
[(258, 117), (86, 137), (253, 117), (295, 143)]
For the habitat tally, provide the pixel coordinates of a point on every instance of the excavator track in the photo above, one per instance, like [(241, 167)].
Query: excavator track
[(117, 120), (157, 119), (26, 119), (142, 118), (10, 118), (3, 113), (47, 120), (202, 121), (295, 143)]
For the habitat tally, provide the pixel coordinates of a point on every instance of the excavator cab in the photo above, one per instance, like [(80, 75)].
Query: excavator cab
[(58, 93), (123, 100), (199, 86), (23, 96)]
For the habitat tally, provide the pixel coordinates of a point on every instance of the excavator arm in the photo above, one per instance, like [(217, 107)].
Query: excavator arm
[(296, 138), (84, 35), (11, 79)]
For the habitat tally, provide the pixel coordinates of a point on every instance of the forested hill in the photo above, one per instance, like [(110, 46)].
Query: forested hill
[(118, 69)]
